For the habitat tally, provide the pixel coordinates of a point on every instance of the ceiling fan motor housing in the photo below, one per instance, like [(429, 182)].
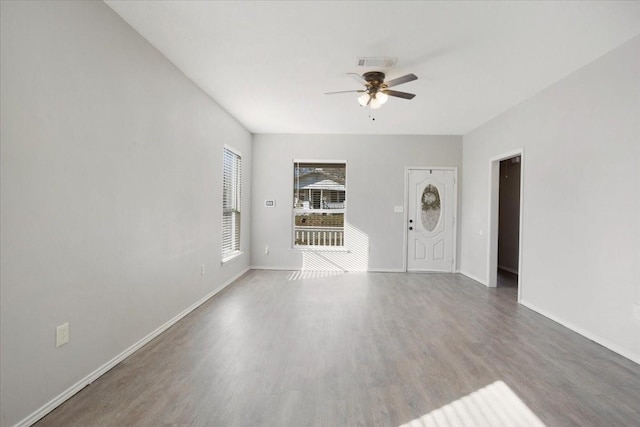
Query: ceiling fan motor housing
[(374, 78)]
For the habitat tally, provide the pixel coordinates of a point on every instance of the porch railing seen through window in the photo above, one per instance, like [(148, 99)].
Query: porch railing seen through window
[(319, 204)]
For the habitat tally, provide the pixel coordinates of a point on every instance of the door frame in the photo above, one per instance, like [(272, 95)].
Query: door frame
[(405, 252), (494, 215)]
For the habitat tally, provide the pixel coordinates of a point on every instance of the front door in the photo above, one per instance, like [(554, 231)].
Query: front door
[(431, 219)]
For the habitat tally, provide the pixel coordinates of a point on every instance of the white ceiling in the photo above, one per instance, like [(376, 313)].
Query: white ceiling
[(269, 63)]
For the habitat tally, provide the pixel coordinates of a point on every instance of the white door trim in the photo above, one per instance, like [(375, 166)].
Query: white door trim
[(492, 249), (406, 211)]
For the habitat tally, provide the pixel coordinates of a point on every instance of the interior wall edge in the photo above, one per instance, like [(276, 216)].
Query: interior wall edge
[(473, 277)]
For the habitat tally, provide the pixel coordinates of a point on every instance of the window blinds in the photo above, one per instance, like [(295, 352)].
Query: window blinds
[(231, 201)]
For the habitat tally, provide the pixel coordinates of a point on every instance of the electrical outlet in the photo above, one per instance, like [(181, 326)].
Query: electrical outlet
[(202, 270), (62, 335), (266, 250), (636, 311)]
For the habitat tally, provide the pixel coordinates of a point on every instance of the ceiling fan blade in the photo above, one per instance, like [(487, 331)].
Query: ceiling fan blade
[(397, 94), (400, 80), (345, 91), (358, 78)]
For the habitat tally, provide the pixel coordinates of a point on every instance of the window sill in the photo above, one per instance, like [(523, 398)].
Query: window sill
[(319, 249), (231, 257)]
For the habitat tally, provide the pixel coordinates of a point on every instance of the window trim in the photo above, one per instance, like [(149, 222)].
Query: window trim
[(318, 248)]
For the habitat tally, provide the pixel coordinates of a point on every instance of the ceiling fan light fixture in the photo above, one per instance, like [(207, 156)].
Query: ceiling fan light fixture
[(364, 99), (376, 91)]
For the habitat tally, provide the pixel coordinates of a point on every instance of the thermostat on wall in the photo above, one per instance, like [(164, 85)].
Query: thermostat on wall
[(269, 203)]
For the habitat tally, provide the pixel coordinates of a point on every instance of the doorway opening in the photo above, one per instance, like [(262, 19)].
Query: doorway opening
[(508, 222), (505, 216)]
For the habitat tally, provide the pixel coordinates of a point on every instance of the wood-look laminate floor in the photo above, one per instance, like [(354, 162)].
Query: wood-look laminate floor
[(373, 349)]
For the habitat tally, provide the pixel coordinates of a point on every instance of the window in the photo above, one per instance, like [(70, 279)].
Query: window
[(319, 203), (231, 196)]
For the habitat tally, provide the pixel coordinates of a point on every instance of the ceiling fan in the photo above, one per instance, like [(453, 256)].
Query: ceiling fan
[(376, 90)]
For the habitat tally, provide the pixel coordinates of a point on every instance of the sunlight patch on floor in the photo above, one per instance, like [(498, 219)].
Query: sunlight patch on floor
[(312, 274), (492, 406)]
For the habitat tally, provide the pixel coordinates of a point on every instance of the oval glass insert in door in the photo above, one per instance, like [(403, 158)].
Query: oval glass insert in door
[(431, 210)]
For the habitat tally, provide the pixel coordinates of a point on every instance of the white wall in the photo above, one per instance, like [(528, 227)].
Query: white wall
[(375, 184), (581, 221), (111, 188)]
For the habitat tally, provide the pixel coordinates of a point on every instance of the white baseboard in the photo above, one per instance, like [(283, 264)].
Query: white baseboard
[(595, 338), (370, 270), (62, 397), (472, 277), (509, 269)]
